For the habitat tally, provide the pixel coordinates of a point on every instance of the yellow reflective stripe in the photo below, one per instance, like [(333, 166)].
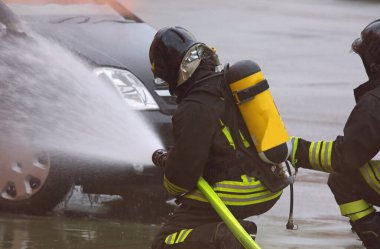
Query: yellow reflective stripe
[(295, 147), (187, 234), (238, 200), (172, 188), (243, 200), (326, 156), (376, 168), (324, 163), (170, 239), (330, 145), (250, 180), (357, 216), (354, 207), (244, 178), (236, 183), (237, 193), (320, 156), (371, 174), (227, 134), (246, 181), (312, 155), (239, 188), (183, 235), (179, 238), (245, 142), (317, 156), (196, 195)]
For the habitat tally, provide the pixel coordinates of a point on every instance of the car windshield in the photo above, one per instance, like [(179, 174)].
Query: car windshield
[(72, 10)]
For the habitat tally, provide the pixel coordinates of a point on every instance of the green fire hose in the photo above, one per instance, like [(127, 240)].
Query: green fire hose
[(226, 215)]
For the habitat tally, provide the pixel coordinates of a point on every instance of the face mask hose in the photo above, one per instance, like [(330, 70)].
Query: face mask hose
[(290, 224)]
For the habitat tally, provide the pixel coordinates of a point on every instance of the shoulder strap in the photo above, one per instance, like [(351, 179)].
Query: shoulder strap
[(232, 118)]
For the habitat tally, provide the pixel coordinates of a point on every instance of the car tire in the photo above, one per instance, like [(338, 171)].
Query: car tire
[(31, 182)]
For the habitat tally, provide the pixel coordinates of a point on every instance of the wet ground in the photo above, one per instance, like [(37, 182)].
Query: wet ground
[(61, 232), (303, 48), (103, 221)]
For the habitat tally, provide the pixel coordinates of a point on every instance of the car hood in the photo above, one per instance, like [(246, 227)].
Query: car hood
[(109, 43)]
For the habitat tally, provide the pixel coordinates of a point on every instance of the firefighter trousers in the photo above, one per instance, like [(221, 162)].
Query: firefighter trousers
[(200, 227), (353, 194)]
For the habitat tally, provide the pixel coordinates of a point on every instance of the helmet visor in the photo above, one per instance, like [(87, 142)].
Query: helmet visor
[(189, 63)]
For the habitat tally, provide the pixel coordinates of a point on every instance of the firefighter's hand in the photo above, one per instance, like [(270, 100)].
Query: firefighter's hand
[(159, 158)]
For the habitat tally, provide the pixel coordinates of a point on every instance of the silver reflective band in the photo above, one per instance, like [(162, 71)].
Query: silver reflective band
[(320, 156), (189, 63), (371, 174)]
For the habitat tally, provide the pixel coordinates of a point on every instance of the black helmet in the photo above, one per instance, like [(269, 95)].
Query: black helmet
[(175, 54), (368, 48)]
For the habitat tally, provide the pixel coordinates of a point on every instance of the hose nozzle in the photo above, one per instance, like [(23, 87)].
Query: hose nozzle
[(159, 158)]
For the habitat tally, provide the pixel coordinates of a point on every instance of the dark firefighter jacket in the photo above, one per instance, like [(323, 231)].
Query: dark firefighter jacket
[(203, 147), (359, 144)]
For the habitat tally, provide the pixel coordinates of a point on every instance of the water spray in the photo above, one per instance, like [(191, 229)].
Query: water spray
[(51, 100)]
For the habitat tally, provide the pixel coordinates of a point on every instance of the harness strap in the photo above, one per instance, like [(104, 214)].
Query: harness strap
[(250, 92)]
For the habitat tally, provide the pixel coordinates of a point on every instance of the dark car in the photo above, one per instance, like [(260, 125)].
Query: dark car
[(113, 43)]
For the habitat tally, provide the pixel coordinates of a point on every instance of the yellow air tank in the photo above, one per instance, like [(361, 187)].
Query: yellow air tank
[(251, 93)]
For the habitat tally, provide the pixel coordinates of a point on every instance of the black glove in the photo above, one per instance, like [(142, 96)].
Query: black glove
[(159, 158)]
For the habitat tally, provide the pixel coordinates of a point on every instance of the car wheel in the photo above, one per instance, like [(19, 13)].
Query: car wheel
[(30, 181)]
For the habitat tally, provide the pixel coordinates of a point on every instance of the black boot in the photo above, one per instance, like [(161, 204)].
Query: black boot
[(368, 230), (225, 239)]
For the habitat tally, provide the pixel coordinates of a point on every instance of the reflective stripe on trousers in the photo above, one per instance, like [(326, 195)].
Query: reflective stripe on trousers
[(356, 210), (371, 174), (177, 237)]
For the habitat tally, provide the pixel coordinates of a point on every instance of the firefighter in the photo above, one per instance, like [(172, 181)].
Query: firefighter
[(354, 178), (204, 145)]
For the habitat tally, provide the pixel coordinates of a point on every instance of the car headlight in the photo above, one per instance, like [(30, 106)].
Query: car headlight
[(133, 91)]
